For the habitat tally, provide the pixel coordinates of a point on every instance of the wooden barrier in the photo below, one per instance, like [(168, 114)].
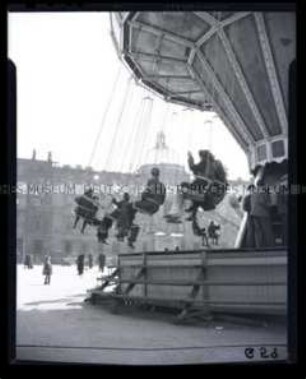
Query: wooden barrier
[(208, 281)]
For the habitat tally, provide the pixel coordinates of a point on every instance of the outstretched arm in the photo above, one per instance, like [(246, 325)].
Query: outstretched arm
[(190, 160), (116, 202)]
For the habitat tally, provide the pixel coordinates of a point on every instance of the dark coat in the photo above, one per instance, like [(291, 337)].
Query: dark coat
[(155, 190), (47, 270), (246, 203), (260, 204)]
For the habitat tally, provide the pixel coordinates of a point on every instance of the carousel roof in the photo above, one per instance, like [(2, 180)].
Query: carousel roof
[(235, 63)]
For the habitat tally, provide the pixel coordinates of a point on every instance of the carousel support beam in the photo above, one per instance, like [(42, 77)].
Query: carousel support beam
[(138, 54), (134, 16), (125, 17), (135, 63), (236, 133), (128, 48), (167, 77), (215, 25), (235, 17), (226, 99), (218, 26), (271, 71), (156, 31), (188, 92), (213, 21), (206, 17), (243, 83), (158, 44), (191, 105), (191, 55), (206, 36)]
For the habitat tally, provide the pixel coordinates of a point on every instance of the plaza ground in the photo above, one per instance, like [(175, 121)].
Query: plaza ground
[(55, 324)]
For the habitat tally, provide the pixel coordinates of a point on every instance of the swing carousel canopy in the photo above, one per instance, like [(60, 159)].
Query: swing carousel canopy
[(234, 63)]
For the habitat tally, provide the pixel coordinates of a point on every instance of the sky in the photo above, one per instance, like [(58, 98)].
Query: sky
[(76, 99)]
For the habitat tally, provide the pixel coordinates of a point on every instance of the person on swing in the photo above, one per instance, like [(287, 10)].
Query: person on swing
[(155, 192), (86, 209), (204, 172), (124, 215)]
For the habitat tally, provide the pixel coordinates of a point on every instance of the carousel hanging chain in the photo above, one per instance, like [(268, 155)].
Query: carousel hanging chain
[(106, 111), (150, 204)]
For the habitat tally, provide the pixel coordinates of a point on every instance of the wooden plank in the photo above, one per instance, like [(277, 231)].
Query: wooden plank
[(195, 290), (271, 250), (162, 266), (198, 302), (200, 283), (227, 280), (217, 307), (212, 263), (133, 282), (109, 280), (205, 290), (262, 261), (145, 287)]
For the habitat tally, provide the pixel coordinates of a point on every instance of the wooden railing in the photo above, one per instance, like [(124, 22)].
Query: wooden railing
[(231, 281)]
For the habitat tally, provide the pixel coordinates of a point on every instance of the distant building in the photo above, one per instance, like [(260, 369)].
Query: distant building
[(45, 204)]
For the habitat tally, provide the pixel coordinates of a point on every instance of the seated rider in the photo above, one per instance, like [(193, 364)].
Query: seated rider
[(124, 214), (86, 209), (94, 207), (204, 173), (154, 195), (103, 228)]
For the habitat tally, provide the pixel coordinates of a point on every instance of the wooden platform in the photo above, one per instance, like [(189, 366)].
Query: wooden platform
[(205, 282)]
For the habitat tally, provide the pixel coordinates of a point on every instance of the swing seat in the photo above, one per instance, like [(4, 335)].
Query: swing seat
[(104, 225), (205, 201), (148, 206), (122, 232), (82, 212), (208, 198), (88, 216), (131, 233), (95, 221), (173, 219), (85, 208), (114, 215)]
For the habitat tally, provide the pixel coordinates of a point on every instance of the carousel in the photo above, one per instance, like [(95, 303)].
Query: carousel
[(239, 65)]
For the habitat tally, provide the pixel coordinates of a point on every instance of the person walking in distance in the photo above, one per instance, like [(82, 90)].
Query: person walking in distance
[(47, 270), (80, 264), (101, 262), (90, 261)]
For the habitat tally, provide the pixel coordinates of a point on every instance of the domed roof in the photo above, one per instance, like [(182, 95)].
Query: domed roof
[(172, 170), (161, 153)]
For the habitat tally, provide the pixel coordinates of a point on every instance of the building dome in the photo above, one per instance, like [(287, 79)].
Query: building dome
[(161, 153), (166, 159)]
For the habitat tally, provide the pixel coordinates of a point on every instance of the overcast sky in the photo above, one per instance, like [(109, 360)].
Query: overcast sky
[(66, 70)]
